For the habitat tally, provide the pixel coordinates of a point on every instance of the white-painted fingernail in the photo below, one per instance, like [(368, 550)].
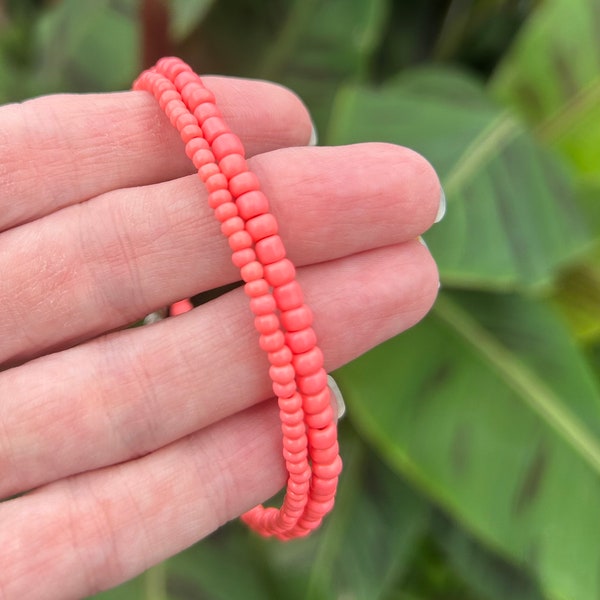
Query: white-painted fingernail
[(422, 241), (442, 207), (314, 137), (337, 394)]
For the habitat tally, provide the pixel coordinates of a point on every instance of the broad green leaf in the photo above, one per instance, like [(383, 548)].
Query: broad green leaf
[(323, 44), (491, 410), (552, 77), (221, 567), (86, 47), (511, 219), (485, 572), (186, 15)]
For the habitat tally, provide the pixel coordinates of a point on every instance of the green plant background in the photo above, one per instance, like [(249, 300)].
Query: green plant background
[(472, 442)]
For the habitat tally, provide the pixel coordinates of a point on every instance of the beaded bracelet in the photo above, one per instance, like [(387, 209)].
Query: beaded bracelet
[(283, 320)]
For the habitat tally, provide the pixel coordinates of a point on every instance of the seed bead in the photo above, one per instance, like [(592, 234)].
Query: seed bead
[(251, 204), (232, 165), (262, 226), (227, 143), (270, 250), (244, 182), (298, 378)]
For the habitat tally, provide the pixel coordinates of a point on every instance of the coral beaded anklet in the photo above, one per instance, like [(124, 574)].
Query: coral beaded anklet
[(283, 320)]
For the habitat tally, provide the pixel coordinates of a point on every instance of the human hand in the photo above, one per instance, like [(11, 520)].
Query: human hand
[(140, 442)]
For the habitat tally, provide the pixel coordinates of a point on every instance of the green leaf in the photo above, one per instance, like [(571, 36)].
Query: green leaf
[(552, 77), (83, 47), (186, 15), (489, 408), (323, 44), (511, 221)]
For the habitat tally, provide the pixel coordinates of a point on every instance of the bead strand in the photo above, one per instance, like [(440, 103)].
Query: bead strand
[(281, 317)]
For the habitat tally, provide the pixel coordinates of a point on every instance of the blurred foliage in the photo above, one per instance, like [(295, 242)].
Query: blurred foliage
[(472, 442)]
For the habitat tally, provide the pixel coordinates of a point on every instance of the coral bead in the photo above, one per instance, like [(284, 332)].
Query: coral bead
[(270, 249), (227, 143), (289, 295), (232, 165), (244, 182), (251, 203), (280, 272), (302, 340), (308, 362), (295, 319), (262, 226)]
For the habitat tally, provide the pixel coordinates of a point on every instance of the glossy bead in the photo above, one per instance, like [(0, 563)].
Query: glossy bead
[(262, 226), (270, 249), (280, 272), (227, 143), (295, 319), (251, 203), (244, 182)]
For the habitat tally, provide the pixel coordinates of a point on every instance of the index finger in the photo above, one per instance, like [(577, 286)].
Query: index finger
[(63, 149)]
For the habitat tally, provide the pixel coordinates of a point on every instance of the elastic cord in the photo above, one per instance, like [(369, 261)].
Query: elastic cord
[(282, 319)]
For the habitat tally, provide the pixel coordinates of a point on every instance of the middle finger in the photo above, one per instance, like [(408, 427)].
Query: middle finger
[(100, 265)]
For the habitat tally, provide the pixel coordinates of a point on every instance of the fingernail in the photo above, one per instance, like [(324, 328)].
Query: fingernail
[(314, 138), (422, 241), (337, 395), (442, 207), (154, 317)]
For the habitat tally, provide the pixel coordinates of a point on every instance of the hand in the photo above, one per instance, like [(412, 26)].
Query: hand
[(139, 442)]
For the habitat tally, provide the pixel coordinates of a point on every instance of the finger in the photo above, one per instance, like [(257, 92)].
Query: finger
[(106, 263), (96, 530), (127, 394), (59, 150)]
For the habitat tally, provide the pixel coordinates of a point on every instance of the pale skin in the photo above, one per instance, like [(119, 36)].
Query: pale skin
[(140, 442)]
